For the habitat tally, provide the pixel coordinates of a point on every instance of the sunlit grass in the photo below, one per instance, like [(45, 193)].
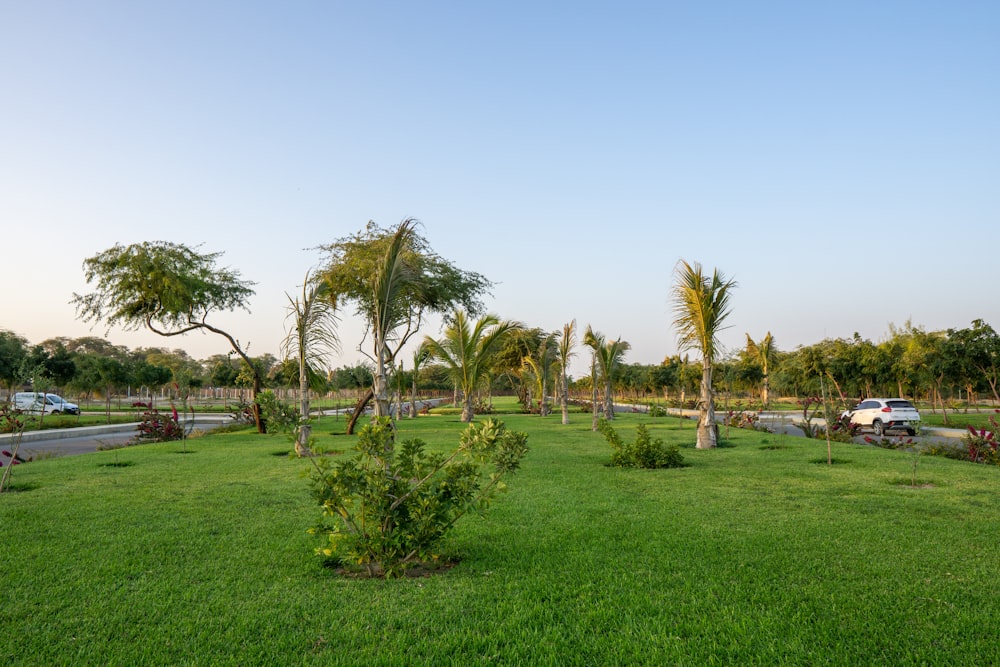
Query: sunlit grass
[(753, 554)]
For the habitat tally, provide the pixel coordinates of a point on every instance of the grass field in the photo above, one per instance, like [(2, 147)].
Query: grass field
[(756, 553)]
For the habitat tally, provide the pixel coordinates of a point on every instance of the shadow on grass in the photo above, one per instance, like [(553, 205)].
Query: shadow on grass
[(907, 482), (826, 461), (16, 487)]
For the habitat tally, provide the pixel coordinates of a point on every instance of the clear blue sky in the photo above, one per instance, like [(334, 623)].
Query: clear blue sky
[(840, 160)]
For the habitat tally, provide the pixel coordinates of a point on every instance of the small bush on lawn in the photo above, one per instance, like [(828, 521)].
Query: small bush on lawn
[(983, 445), (843, 430), (158, 427), (280, 417), (387, 508), (644, 452)]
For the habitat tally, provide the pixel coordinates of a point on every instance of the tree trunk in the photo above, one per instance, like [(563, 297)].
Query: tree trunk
[(564, 398), (380, 388), (708, 432), (593, 399), (543, 400), (359, 410), (609, 406), (305, 429), (413, 396), (467, 413)]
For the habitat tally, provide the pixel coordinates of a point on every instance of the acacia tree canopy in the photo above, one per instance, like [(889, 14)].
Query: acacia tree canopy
[(166, 287)]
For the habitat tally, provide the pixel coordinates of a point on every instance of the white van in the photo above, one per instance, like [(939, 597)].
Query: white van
[(50, 404)]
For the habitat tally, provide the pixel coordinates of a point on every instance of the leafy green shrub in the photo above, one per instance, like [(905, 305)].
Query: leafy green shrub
[(387, 508), (280, 417), (948, 449), (886, 442), (641, 453)]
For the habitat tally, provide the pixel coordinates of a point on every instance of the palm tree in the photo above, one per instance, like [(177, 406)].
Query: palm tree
[(467, 351), (609, 355), (390, 310), (539, 366), (567, 341), (763, 353), (420, 355), (311, 339), (701, 305)]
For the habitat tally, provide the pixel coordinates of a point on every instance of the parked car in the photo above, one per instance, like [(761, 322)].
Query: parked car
[(50, 404), (884, 414)]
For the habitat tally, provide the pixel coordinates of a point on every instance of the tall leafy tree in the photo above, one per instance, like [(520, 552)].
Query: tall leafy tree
[(701, 304), (395, 280), (467, 350), (13, 352), (567, 341), (608, 357), (980, 347), (168, 288), (310, 340)]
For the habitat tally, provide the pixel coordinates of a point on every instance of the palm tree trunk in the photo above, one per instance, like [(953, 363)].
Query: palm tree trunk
[(467, 413), (708, 431), (380, 386), (305, 429), (609, 406), (413, 397), (564, 397)]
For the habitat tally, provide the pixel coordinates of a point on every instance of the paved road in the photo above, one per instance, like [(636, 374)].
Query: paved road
[(83, 439)]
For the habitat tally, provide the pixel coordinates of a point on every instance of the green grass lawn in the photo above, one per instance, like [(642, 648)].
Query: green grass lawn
[(756, 553)]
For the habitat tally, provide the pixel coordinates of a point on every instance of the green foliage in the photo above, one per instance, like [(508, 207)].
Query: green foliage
[(281, 417), (387, 508), (643, 452)]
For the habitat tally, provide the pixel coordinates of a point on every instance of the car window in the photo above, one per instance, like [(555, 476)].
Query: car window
[(868, 405), (900, 405)]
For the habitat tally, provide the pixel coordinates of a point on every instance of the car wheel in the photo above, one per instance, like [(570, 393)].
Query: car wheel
[(877, 427), (55, 412), (911, 431)]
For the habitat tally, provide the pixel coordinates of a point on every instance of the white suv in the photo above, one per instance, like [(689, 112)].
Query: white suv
[(883, 414)]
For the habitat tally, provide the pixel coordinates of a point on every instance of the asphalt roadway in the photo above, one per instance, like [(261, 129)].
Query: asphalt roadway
[(84, 439)]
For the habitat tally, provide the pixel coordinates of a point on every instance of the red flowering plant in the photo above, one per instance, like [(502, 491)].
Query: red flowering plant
[(843, 430), (158, 427), (982, 444)]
